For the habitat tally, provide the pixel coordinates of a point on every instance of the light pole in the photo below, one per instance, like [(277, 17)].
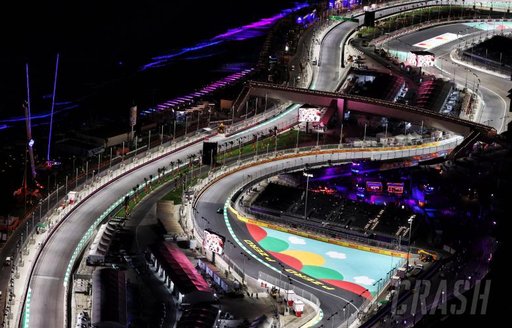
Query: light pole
[(410, 220), (110, 162), (341, 135), (198, 119), (239, 148), (86, 171), (74, 158), (307, 175), (364, 135), (186, 127), (349, 302), (40, 209), (174, 130), (275, 142), (298, 132), (245, 256), (257, 138), (246, 110), (378, 285)]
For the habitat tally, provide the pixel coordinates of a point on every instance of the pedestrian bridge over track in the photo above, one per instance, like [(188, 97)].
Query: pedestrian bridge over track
[(471, 131)]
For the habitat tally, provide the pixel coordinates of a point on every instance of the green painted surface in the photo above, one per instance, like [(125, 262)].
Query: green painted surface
[(273, 244), (318, 272)]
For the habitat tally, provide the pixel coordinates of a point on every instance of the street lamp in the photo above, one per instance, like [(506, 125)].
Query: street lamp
[(243, 268), (307, 175), (410, 220), (298, 133), (349, 302), (378, 285), (341, 135), (257, 138)]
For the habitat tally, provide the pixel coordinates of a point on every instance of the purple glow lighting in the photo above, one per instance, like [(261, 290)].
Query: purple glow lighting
[(39, 116), (52, 109), (242, 33), (189, 98)]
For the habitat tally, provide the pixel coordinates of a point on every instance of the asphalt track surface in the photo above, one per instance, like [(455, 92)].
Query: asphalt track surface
[(215, 197), (493, 89), (47, 281)]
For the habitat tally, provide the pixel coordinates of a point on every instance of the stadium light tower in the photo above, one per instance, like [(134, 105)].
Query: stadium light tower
[(410, 220), (307, 175)]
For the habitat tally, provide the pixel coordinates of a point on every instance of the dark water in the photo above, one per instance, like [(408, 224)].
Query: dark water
[(101, 42), (102, 46)]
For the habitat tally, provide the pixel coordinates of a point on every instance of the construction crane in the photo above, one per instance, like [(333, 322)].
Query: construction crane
[(28, 121), (24, 190)]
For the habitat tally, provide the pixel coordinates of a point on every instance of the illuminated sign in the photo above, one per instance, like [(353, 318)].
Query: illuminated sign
[(373, 186), (396, 188), (421, 59), (213, 242), (309, 114)]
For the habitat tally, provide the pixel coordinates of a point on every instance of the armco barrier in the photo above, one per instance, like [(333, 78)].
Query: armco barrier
[(363, 247)]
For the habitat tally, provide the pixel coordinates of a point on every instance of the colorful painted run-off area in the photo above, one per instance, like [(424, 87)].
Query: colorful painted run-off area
[(347, 268)]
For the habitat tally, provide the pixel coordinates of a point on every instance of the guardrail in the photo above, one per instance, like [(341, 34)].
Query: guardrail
[(83, 184), (295, 162), (304, 294), (104, 178)]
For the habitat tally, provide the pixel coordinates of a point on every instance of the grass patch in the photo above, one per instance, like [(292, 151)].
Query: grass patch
[(285, 140), (174, 195)]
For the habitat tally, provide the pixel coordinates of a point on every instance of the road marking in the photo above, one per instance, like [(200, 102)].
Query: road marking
[(46, 277), (242, 246), (504, 118)]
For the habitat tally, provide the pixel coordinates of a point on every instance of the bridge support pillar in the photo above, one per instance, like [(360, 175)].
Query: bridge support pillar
[(340, 106)]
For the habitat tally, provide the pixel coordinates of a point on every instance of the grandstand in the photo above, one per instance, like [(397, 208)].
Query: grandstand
[(432, 94), (332, 213)]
